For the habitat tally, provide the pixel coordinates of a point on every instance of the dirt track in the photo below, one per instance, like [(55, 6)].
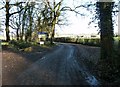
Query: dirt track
[(62, 66)]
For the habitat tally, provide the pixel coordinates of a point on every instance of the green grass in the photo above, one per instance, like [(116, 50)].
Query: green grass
[(4, 43), (89, 41), (21, 45), (48, 45)]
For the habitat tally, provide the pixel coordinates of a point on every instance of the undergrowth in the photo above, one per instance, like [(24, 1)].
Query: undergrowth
[(108, 70)]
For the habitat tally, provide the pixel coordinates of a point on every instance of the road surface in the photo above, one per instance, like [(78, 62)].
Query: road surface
[(59, 67)]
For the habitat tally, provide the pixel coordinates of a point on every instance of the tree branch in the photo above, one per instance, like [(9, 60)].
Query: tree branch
[(80, 7), (2, 8), (12, 27), (70, 9), (58, 3), (17, 3), (48, 3), (16, 12)]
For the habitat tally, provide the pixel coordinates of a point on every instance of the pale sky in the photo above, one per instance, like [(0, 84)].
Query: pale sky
[(77, 24)]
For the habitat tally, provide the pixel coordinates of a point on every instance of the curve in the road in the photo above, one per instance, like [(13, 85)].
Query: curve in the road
[(57, 68)]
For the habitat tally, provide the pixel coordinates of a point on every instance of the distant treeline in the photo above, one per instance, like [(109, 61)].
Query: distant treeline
[(85, 41)]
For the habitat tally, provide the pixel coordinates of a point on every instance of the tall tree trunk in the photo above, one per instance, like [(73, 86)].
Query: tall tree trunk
[(22, 34), (7, 20), (22, 31), (18, 27), (56, 14), (23, 25), (30, 30), (106, 26), (17, 32), (53, 31)]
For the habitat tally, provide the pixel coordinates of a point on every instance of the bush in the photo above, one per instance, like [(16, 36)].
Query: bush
[(81, 41), (85, 41), (108, 70), (90, 42), (28, 49), (20, 44)]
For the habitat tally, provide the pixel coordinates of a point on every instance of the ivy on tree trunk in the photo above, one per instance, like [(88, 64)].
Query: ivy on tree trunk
[(106, 28)]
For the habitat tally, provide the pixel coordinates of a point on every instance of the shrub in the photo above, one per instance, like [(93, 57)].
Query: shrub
[(86, 41), (28, 49), (20, 44), (81, 41)]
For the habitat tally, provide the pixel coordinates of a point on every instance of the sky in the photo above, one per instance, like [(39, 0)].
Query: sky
[(77, 24)]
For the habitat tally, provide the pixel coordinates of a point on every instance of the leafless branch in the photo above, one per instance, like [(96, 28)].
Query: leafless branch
[(17, 3), (12, 27), (2, 8), (70, 9), (58, 3), (48, 3), (16, 12), (80, 6)]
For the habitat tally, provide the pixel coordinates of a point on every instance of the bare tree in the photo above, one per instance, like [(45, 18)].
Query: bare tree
[(30, 18), (54, 15), (15, 22), (8, 15)]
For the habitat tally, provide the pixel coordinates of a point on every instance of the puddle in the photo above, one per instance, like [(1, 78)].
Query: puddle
[(92, 81)]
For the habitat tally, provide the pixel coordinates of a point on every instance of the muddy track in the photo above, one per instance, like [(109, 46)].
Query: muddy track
[(59, 67)]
